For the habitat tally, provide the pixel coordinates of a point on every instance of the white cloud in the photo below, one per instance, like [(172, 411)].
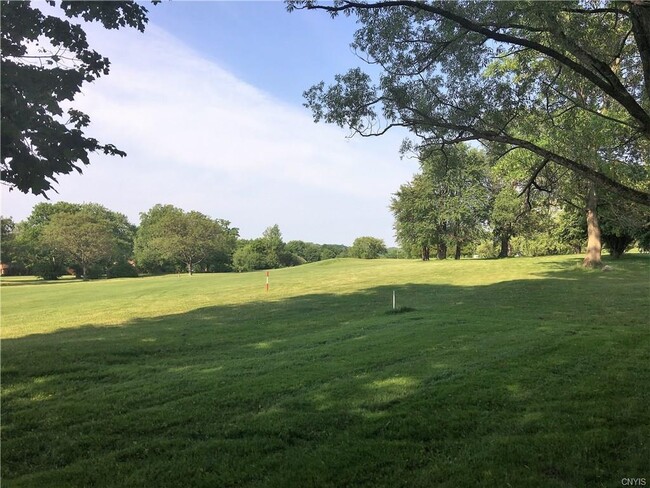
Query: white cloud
[(198, 137)]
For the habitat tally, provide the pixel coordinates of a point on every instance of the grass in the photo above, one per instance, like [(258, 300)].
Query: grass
[(525, 372)]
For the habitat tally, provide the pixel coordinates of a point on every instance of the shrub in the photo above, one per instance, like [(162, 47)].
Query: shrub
[(121, 269), (539, 245), (49, 270), (487, 249), (94, 272)]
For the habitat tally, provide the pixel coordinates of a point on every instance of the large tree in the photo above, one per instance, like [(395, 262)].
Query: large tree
[(308, 251), (168, 234), (367, 248), (446, 204), (497, 72), (45, 62), (416, 223), (34, 247), (507, 217), (7, 240), (83, 237)]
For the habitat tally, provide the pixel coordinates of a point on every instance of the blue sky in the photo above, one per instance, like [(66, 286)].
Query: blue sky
[(208, 105), (261, 43)]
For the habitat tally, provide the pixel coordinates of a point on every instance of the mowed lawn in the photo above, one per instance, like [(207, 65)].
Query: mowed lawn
[(521, 372)]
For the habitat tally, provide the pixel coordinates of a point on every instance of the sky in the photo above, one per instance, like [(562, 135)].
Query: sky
[(207, 104)]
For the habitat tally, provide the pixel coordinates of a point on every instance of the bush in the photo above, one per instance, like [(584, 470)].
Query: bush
[(291, 259), (49, 270), (396, 253), (487, 249), (94, 272), (539, 245), (122, 269)]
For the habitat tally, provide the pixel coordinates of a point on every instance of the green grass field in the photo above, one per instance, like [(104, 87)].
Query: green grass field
[(523, 372)]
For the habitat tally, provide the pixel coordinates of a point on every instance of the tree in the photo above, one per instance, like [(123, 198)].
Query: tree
[(9, 247), (498, 72), (331, 251), (221, 258), (251, 256), (82, 237), (274, 247), (622, 223), (45, 62), (507, 217), (266, 252), (35, 252), (7, 235), (461, 179), (367, 248), (416, 221), (169, 235), (308, 251), (446, 204)]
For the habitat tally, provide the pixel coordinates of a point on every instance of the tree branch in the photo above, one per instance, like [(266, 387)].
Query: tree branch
[(602, 77), (531, 180), (577, 167)]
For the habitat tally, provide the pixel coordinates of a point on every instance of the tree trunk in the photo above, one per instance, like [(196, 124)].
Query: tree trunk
[(505, 246), (425, 253), (594, 246), (442, 251), (457, 253), (189, 268)]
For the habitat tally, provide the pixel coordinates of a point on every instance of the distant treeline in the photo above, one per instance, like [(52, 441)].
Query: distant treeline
[(91, 241)]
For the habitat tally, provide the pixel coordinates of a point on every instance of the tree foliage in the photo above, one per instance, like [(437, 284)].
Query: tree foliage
[(367, 248), (447, 203), (169, 236), (622, 224), (500, 72), (45, 62), (308, 251), (45, 241), (507, 217), (7, 239), (82, 237), (266, 252)]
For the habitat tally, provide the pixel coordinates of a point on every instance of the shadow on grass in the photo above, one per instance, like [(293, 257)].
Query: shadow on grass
[(33, 280), (533, 382)]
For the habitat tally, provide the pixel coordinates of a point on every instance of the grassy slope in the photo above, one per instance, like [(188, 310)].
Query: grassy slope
[(530, 372)]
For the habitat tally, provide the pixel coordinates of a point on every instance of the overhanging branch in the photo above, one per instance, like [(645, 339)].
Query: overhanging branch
[(597, 72), (582, 169)]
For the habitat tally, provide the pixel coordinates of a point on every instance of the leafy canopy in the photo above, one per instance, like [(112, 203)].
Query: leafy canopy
[(45, 62), (367, 248), (447, 202), (499, 72), (168, 234)]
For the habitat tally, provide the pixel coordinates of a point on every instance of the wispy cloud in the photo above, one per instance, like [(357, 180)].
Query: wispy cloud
[(200, 138)]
